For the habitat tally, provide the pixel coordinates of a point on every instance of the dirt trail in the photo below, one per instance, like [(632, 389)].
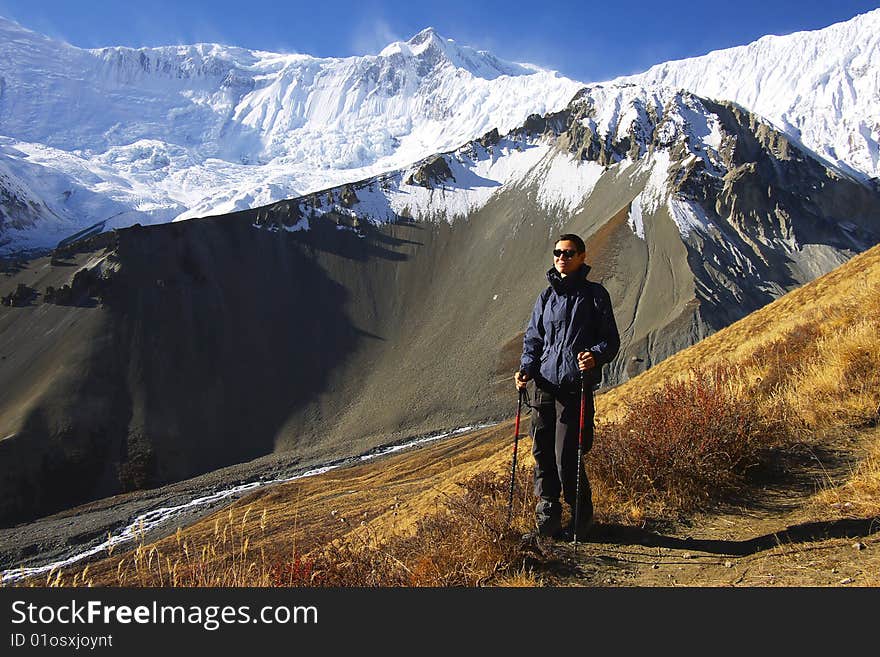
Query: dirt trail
[(777, 536), (830, 553)]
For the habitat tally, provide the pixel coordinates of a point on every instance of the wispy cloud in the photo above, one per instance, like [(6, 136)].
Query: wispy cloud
[(36, 20), (371, 35)]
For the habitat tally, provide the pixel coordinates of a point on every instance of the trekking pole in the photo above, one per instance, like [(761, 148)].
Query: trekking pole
[(577, 499), (522, 392)]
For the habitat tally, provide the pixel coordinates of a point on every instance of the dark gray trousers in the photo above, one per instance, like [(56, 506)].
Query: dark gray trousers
[(555, 425)]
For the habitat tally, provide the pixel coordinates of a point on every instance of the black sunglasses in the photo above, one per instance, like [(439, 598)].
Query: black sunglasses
[(564, 253)]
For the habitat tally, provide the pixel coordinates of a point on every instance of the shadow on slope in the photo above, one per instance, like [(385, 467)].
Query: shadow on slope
[(212, 336), (807, 532)]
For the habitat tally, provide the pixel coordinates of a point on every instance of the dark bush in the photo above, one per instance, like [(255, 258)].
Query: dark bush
[(691, 442)]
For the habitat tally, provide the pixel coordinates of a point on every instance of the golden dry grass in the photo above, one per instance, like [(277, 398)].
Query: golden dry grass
[(859, 497), (682, 447), (808, 365), (466, 541), (355, 508)]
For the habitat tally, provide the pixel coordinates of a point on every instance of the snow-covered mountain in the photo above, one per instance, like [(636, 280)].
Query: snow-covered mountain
[(115, 136), (147, 135), (821, 88)]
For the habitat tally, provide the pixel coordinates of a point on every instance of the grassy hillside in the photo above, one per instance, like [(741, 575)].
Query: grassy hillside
[(716, 421)]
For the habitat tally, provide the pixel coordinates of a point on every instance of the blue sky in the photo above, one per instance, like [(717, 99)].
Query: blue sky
[(588, 41)]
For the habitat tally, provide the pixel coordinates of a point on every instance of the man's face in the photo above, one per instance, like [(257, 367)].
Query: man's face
[(564, 263)]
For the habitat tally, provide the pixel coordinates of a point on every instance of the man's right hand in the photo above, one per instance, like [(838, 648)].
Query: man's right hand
[(521, 379)]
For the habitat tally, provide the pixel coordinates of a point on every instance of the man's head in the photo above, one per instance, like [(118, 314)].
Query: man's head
[(569, 254)]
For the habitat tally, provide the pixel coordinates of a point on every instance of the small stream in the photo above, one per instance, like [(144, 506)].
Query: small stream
[(155, 518)]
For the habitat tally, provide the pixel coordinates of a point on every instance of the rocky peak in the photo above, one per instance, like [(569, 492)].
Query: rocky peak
[(431, 50), (428, 41), (427, 38)]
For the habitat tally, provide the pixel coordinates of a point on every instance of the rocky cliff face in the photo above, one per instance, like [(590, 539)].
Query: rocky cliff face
[(757, 212), (20, 209)]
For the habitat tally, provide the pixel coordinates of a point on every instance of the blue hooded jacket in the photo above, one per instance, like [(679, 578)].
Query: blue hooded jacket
[(570, 316)]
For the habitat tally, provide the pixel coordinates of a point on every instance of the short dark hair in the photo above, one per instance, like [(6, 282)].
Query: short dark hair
[(571, 237)]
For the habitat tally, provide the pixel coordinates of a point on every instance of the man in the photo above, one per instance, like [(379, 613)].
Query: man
[(571, 333)]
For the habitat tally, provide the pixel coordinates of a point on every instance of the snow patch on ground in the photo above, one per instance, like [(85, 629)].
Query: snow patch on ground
[(687, 216), (566, 182), (656, 189), (635, 221), (477, 174)]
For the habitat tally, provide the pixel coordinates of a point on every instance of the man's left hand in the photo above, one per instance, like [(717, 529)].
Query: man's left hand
[(586, 361)]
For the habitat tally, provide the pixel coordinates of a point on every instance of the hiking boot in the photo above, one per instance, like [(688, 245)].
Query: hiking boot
[(584, 527), (548, 518), (550, 528)]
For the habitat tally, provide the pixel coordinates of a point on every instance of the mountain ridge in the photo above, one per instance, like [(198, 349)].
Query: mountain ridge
[(809, 84), (150, 354), (265, 141), (181, 131)]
